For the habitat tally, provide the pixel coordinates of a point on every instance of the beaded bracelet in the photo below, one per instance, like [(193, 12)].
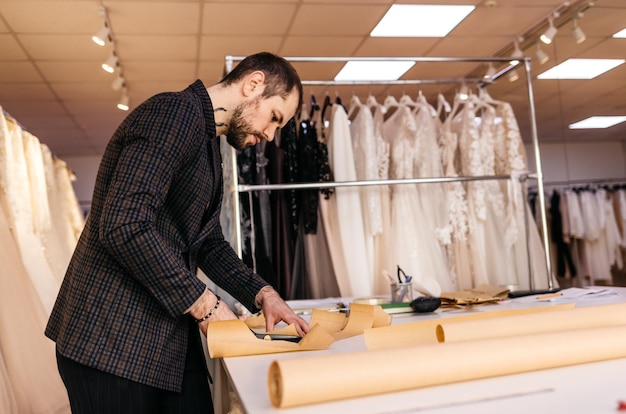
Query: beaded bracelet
[(208, 315)]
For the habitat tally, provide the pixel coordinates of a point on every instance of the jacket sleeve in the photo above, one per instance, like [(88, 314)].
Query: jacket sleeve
[(220, 263)]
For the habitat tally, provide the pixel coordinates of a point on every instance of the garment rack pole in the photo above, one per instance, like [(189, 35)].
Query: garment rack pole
[(332, 184), (539, 172), (237, 188), (577, 182)]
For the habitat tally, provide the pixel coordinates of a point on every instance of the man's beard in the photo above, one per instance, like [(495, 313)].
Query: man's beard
[(239, 128)]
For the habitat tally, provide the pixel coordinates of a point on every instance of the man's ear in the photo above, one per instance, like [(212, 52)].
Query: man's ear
[(253, 83)]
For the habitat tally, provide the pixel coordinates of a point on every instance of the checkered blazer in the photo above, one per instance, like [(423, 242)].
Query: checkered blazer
[(154, 220)]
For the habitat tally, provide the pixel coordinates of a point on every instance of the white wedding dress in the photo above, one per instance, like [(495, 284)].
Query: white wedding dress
[(16, 201), (342, 215), (415, 248)]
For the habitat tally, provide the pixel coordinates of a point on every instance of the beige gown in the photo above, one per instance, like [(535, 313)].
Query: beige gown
[(28, 355)]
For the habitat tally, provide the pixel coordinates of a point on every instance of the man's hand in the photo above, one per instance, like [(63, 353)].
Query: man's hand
[(275, 310)]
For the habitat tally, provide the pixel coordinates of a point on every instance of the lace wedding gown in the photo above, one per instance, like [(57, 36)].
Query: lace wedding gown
[(16, 201), (28, 355), (414, 247)]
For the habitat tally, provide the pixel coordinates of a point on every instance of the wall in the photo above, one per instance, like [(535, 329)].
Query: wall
[(85, 169), (560, 162), (579, 161)]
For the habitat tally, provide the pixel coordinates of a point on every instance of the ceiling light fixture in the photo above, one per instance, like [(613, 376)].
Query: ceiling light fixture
[(580, 68), (577, 32), (542, 57), (124, 103), (118, 83), (516, 55), (372, 70), (598, 122), (420, 20), (464, 93), (513, 75), (491, 70), (110, 64), (549, 34), (102, 36)]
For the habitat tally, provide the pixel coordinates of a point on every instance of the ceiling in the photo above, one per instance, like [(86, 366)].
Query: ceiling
[(52, 84)]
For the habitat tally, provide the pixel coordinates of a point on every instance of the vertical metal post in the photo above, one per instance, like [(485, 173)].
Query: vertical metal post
[(236, 209), (542, 201)]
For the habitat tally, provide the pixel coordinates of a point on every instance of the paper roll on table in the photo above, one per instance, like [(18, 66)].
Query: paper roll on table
[(559, 320), (309, 380)]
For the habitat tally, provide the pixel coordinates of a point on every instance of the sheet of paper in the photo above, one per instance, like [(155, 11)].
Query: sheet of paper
[(234, 338)]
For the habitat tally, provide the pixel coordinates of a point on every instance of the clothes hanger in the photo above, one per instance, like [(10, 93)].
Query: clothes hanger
[(327, 103), (339, 102), (355, 106), (314, 106), (422, 103), (442, 104), (486, 98), (391, 105)]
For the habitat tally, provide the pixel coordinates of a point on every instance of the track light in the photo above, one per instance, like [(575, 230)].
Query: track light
[(124, 102), (542, 57), (549, 34), (491, 70), (513, 75), (118, 82), (464, 93), (102, 36), (516, 55), (110, 64), (577, 32)]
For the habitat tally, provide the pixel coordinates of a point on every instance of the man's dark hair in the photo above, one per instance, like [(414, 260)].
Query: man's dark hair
[(280, 76)]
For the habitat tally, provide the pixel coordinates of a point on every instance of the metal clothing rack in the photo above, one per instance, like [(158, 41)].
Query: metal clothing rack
[(538, 175)]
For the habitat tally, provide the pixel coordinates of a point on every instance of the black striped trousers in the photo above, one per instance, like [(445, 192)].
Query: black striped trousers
[(92, 391)]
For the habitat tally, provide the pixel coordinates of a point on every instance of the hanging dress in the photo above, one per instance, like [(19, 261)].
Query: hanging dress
[(28, 355), (521, 231), (432, 196), (414, 248), (59, 240), (16, 200), (364, 146), (488, 260), (321, 281), (342, 214)]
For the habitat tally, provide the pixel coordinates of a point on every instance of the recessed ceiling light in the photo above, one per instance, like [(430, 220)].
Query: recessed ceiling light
[(621, 34), (413, 20), (371, 70), (580, 69), (598, 122)]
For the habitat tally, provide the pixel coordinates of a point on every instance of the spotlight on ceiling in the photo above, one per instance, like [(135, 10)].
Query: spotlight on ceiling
[(549, 34), (491, 70), (542, 57), (513, 75), (464, 93), (516, 55), (577, 32), (124, 102), (110, 64), (118, 83), (102, 36)]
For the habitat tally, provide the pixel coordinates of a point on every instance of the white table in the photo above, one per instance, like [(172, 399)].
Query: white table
[(593, 388)]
